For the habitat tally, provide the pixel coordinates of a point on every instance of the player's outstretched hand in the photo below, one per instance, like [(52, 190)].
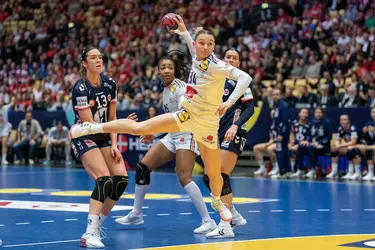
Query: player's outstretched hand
[(231, 133), (181, 25), (223, 108), (115, 153), (133, 116), (147, 139)]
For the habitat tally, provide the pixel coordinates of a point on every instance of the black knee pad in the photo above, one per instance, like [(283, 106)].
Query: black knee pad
[(142, 174), (369, 154), (354, 153), (103, 188), (119, 185), (227, 189), (206, 181)]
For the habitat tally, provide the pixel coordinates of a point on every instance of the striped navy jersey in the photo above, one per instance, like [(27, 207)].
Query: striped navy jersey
[(347, 135), (301, 131), (369, 137), (234, 112)]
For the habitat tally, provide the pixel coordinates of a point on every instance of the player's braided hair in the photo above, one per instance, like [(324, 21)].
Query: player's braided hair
[(83, 70), (201, 31), (180, 61)]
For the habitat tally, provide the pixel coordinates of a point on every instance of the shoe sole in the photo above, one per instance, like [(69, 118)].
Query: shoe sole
[(243, 223), (127, 224), (220, 236)]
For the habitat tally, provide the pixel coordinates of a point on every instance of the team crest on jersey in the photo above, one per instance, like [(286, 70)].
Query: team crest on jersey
[(204, 65), (183, 116), (173, 88), (226, 92)]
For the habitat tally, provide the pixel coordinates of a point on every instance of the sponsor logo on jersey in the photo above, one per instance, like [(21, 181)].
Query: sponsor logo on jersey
[(226, 92), (82, 87), (231, 82), (183, 115), (190, 92), (204, 65), (92, 103), (81, 102), (107, 85), (173, 88)]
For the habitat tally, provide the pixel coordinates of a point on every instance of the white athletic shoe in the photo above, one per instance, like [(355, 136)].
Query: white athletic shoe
[(224, 212), (368, 177), (237, 219), (311, 174), (261, 171), (348, 176), (298, 174), (220, 232), (92, 239), (4, 162), (275, 170), (276, 176), (206, 227), (355, 176), (79, 130), (332, 175), (131, 219)]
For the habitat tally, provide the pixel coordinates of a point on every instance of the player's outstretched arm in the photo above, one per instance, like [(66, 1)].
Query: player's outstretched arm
[(182, 31)]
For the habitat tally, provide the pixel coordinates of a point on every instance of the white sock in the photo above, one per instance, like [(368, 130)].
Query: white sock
[(196, 197), (102, 218), (97, 129), (334, 167), (261, 164), (275, 165), (139, 199), (371, 169), (224, 223), (233, 210), (357, 168), (292, 164), (4, 157), (92, 222), (351, 168)]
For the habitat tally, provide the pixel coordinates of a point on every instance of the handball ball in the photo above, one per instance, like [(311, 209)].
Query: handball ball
[(168, 23)]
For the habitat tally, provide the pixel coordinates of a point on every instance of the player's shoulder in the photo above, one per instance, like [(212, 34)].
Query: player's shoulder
[(108, 82), (79, 86), (53, 129), (177, 84)]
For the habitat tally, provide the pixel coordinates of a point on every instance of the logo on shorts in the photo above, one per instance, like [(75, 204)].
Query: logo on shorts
[(209, 139), (183, 116), (75, 150), (225, 144), (182, 139), (243, 143), (237, 139), (89, 143), (92, 103)]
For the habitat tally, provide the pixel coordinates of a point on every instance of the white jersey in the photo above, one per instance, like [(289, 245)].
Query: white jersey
[(4, 114), (172, 95)]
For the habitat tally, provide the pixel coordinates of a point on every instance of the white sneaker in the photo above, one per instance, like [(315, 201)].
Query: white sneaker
[(4, 162), (16, 162), (220, 232), (224, 212), (298, 174), (237, 219), (355, 176), (368, 177), (131, 219), (275, 170), (332, 175), (311, 174), (79, 130), (91, 240), (276, 176), (31, 162), (348, 176), (206, 227), (261, 171)]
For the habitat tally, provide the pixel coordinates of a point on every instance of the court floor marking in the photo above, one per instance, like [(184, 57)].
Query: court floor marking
[(41, 243), (268, 239), (73, 219)]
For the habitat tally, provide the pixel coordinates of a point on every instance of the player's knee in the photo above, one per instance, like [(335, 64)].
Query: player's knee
[(353, 153), (142, 174), (227, 189), (369, 154), (206, 181), (119, 186), (334, 153), (103, 188), (184, 177)]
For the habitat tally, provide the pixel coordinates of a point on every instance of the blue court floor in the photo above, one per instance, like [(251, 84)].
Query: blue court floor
[(46, 208)]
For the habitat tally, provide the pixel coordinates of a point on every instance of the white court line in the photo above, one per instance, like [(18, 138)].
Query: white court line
[(1, 225), (47, 221), (162, 214), (369, 209), (211, 212), (70, 219), (346, 210), (277, 211), (117, 216), (322, 210), (185, 213), (254, 211), (41, 243), (299, 210), (23, 223)]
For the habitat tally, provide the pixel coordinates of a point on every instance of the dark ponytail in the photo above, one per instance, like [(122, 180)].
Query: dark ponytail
[(83, 70)]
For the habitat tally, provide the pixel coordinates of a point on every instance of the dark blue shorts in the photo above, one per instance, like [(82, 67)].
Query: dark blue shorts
[(82, 145), (236, 145)]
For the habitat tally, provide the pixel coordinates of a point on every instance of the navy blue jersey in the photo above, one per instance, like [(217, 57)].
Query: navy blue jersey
[(97, 99), (301, 131), (234, 112), (347, 135), (320, 132), (273, 133), (281, 118), (369, 137)]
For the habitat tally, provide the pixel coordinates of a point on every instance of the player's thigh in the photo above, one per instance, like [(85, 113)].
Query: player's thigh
[(262, 147), (116, 168), (185, 161), (157, 156), (228, 161), (362, 148), (94, 163), (211, 159), (271, 148), (293, 148), (343, 151), (4, 140)]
